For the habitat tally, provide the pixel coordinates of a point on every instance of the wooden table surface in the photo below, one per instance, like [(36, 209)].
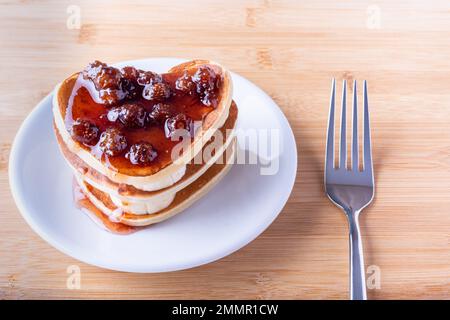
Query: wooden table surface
[(291, 49)]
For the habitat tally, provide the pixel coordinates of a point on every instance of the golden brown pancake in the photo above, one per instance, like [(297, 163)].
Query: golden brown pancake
[(182, 200)]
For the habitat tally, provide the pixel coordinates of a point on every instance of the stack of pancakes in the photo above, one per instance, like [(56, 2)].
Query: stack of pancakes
[(143, 195)]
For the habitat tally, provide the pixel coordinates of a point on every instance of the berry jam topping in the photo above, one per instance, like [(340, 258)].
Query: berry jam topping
[(107, 81), (141, 153), (158, 91), (185, 84), (112, 142), (148, 77), (131, 73), (131, 115), (206, 81), (94, 72), (124, 115), (85, 132), (160, 112), (178, 122), (130, 88), (129, 82)]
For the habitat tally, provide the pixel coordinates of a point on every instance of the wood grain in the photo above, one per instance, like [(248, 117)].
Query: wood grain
[(291, 49)]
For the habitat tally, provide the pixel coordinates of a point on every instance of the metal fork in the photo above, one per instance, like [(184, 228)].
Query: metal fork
[(348, 187)]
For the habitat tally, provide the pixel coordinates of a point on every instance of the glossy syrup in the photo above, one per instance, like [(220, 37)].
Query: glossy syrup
[(82, 105)]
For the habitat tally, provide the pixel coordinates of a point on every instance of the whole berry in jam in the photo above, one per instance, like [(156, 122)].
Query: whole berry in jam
[(179, 125), (107, 81), (185, 84), (141, 153), (129, 82), (108, 78), (206, 81), (93, 69), (160, 112), (131, 115), (102, 75), (148, 77), (130, 88), (130, 73), (110, 97), (84, 132), (156, 92), (112, 142)]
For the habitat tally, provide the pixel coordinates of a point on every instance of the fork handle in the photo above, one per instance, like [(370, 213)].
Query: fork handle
[(357, 271)]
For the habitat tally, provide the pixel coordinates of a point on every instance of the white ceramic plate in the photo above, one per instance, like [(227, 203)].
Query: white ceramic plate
[(231, 215)]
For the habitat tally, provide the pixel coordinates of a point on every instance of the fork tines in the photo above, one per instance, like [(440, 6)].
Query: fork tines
[(367, 154)]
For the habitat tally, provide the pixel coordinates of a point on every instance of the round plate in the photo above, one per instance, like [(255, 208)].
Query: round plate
[(233, 213)]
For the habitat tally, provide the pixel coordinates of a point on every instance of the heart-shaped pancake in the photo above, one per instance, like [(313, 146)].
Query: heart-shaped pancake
[(123, 123)]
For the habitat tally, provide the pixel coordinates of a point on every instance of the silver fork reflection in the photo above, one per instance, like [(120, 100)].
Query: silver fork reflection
[(348, 187)]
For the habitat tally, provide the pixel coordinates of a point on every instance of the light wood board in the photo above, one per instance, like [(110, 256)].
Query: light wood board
[(291, 49)]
